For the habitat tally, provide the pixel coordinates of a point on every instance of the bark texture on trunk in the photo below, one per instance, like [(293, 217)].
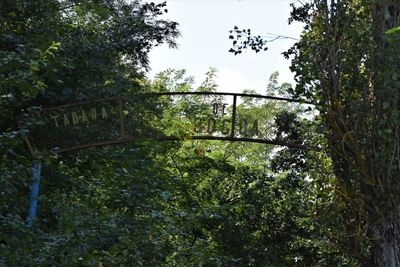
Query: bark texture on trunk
[(386, 244), (386, 232)]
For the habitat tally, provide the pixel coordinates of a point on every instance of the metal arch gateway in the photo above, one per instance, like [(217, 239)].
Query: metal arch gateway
[(153, 116), (165, 116)]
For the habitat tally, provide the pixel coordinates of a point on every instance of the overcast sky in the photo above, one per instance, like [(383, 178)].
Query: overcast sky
[(205, 25)]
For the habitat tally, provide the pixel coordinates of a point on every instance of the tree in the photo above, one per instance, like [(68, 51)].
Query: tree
[(233, 206), (347, 63), (54, 52)]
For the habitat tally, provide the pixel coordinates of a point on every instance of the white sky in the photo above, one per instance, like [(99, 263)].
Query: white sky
[(205, 25)]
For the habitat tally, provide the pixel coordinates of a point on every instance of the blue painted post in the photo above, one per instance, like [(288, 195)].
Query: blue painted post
[(34, 192)]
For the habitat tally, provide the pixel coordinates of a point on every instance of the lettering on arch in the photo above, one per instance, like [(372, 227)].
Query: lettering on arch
[(155, 116)]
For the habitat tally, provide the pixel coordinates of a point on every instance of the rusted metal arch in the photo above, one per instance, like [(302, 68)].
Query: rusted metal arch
[(127, 139)]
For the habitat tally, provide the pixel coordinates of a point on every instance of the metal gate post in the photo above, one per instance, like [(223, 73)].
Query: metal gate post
[(234, 116), (34, 192)]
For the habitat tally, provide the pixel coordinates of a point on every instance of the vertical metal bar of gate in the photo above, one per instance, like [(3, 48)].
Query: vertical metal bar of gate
[(34, 192), (233, 117)]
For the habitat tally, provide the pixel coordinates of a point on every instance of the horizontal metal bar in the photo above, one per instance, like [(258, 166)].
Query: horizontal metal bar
[(252, 140), (116, 98), (229, 94)]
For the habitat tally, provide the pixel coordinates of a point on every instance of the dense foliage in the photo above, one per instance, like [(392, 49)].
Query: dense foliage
[(347, 63), (180, 203)]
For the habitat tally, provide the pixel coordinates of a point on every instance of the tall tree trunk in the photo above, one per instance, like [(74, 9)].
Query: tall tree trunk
[(386, 242), (386, 232)]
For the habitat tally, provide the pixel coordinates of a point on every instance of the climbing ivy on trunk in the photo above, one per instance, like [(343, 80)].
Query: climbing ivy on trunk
[(347, 62)]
